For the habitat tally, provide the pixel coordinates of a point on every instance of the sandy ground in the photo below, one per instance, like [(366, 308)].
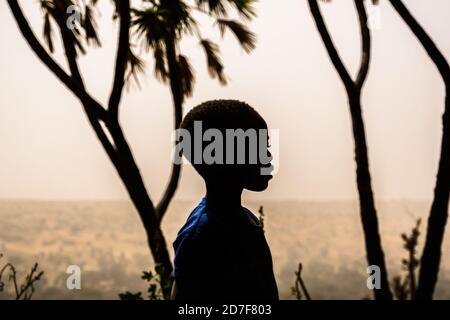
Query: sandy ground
[(107, 241)]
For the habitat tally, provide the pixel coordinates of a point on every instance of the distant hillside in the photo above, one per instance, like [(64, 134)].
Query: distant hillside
[(107, 241)]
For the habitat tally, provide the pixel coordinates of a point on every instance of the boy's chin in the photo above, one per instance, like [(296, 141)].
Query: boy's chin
[(258, 185)]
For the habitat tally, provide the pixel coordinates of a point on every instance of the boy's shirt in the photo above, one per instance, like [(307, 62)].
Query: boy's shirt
[(222, 257)]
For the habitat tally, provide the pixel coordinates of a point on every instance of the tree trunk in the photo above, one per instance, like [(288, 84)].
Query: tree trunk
[(374, 251), (437, 220), (369, 220)]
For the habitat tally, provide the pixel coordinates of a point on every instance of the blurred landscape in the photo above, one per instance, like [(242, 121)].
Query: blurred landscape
[(107, 241)]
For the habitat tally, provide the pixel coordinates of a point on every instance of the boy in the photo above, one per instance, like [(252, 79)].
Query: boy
[(221, 252)]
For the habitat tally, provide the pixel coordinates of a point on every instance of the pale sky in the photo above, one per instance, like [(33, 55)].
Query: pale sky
[(48, 150)]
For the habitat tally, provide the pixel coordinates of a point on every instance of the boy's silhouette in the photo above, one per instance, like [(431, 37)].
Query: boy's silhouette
[(221, 252)]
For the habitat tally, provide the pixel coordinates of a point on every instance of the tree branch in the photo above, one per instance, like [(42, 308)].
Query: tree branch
[(365, 44), (427, 43), (169, 192), (332, 52), (121, 60), (35, 45), (102, 136), (178, 99), (71, 56), (69, 47)]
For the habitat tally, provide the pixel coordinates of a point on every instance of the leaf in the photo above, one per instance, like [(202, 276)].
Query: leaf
[(48, 32), (215, 66), (187, 75), (245, 8), (135, 66), (216, 7), (149, 27), (147, 275), (90, 27), (246, 38), (160, 69)]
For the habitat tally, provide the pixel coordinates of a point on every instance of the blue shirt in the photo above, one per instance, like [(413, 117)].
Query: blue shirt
[(222, 256)]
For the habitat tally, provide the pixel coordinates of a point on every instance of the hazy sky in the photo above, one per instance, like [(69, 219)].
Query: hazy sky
[(48, 150)]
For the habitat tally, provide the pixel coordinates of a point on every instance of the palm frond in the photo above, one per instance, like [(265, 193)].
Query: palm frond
[(135, 66), (48, 32), (177, 16), (245, 8), (148, 27), (160, 69), (215, 66), (246, 38), (90, 27), (216, 7), (187, 75)]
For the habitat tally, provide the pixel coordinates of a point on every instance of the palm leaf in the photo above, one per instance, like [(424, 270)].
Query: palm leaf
[(160, 69), (215, 66), (187, 75), (246, 38), (90, 27), (48, 32), (216, 7), (149, 27), (135, 66), (244, 8)]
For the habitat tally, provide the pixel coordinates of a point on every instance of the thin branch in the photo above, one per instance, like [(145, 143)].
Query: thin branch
[(169, 192), (178, 99), (13, 277), (121, 60), (71, 56), (70, 51), (302, 283), (30, 279), (365, 44), (334, 55), (39, 50), (426, 41)]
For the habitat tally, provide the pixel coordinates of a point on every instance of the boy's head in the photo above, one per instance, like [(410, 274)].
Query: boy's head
[(228, 144)]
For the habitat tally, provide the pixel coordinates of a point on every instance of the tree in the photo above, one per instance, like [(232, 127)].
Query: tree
[(105, 119), (374, 250), (437, 220)]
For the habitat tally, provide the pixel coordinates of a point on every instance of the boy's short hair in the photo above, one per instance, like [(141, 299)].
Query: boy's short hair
[(222, 115)]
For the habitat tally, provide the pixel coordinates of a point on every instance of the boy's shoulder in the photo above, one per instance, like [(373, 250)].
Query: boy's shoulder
[(198, 224), (200, 238)]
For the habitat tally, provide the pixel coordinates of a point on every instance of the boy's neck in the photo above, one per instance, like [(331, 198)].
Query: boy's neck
[(225, 198)]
